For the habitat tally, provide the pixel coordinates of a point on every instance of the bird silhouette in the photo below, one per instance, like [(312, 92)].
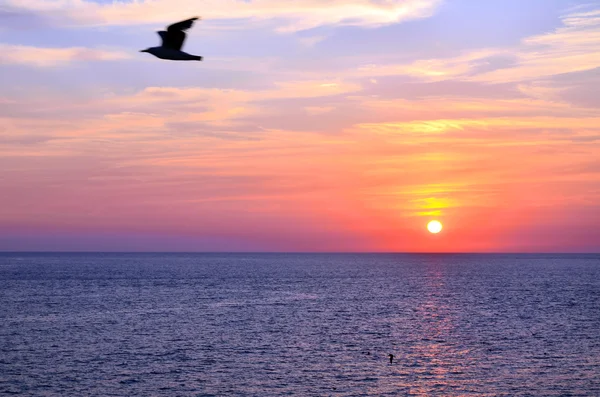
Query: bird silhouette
[(172, 41)]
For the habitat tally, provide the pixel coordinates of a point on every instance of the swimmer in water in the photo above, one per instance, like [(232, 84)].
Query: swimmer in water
[(391, 358)]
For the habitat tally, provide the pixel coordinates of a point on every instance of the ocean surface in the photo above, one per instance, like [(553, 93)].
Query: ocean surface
[(299, 325)]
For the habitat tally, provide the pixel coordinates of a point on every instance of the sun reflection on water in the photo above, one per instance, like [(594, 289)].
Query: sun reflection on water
[(432, 362)]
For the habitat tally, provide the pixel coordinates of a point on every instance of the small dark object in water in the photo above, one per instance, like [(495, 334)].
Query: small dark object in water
[(391, 358)]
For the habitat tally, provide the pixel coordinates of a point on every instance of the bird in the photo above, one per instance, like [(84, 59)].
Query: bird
[(172, 41)]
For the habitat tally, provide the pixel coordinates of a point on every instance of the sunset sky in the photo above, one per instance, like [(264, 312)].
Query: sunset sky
[(311, 125)]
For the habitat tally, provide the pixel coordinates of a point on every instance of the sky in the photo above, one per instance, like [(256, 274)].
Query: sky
[(310, 125)]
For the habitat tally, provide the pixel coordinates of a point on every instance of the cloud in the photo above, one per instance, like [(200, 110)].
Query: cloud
[(311, 41), (492, 131), (316, 110), (136, 165), (541, 91), (429, 69), (49, 57), (215, 105), (294, 15), (154, 113), (573, 47)]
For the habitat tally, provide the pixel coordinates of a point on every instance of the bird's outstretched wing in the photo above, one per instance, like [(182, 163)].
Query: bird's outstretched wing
[(183, 25), (174, 36)]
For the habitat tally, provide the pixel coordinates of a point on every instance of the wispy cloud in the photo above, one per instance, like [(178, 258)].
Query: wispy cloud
[(311, 41), (430, 69), (573, 47), (293, 15), (48, 57)]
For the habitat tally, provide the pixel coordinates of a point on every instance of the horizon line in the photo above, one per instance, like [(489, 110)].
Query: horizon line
[(307, 252)]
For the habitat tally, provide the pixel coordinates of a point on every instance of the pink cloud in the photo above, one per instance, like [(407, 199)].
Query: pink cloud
[(293, 15), (51, 57)]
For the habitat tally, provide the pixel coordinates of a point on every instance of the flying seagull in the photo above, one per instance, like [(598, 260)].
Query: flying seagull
[(172, 41)]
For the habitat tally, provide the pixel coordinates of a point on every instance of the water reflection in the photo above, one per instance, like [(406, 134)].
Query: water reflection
[(432, 361)]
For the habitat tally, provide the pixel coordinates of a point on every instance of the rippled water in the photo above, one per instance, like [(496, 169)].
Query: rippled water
[(304, 325)]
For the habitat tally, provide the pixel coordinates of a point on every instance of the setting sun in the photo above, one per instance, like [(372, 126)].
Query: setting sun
[(434, 227)]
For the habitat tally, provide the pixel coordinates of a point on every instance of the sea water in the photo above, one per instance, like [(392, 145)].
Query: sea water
[(299, 325)]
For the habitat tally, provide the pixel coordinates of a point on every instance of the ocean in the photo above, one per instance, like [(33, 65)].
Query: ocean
[(85, 324)]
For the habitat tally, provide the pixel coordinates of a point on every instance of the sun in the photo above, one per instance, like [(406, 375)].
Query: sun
[(434, 227)]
